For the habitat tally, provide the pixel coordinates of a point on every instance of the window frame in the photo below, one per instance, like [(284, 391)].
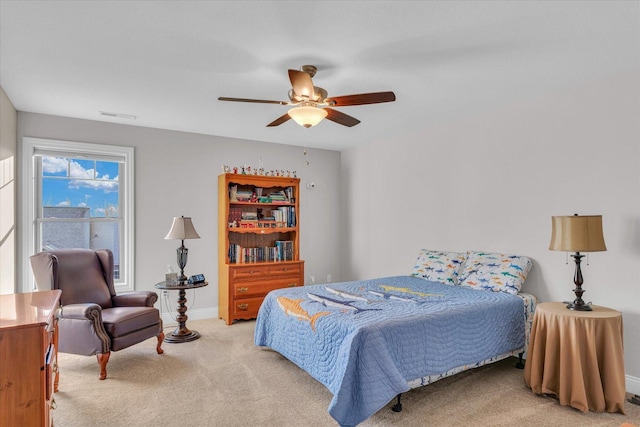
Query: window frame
[(32, 199)]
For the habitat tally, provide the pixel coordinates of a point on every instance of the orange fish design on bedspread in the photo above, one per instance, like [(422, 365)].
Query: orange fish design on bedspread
[(292, 307)]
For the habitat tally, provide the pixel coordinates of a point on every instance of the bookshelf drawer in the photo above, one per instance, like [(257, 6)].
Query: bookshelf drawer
[(260, 271), (247, 272), (246, 308), (252, 289), (285, 270)]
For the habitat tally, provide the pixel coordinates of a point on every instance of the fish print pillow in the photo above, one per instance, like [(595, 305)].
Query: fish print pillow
[(495, 272), (439, 266)]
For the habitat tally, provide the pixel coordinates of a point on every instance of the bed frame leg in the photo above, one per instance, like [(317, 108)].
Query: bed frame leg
[(397, 407), (520, 363)]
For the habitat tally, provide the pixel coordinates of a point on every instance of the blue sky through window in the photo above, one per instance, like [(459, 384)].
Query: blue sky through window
[(81, 183)]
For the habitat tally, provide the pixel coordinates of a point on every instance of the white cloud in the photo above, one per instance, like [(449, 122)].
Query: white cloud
[(54, 164), (80, 177), (106, 186), (66, 203)]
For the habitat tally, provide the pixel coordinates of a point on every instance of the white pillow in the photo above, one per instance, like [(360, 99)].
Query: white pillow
[(439, 266), (495, 272)]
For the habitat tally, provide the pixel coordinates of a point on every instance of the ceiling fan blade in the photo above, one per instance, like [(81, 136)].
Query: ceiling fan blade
[(341, 118), (361, 99), (301, 83), (257, 101), (280, 120)]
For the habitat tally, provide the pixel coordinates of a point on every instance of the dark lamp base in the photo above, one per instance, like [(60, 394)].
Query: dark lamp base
[(181, 335), (578, 306)]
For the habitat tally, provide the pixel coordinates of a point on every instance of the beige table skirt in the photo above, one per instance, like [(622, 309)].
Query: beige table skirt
[(578, 357)]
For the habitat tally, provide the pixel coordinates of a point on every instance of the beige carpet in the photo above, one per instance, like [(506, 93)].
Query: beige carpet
[(222, 379)]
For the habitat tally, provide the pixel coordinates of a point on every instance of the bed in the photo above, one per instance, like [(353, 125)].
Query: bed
[(369, 341)]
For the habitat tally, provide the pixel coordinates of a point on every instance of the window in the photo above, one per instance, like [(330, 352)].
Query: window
[(81, 197)]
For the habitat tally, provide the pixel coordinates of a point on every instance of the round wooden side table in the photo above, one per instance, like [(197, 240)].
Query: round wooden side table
[(181, 333)]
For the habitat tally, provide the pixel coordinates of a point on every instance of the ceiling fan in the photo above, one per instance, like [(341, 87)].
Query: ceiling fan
[(311, 103)]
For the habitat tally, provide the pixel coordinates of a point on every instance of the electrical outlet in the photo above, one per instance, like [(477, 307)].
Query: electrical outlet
[(328, 278), (165, 293), (312, 279)]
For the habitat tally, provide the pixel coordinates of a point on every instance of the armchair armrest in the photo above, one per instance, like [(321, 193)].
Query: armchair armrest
[(87, 311), (135, 299), (81, 330)]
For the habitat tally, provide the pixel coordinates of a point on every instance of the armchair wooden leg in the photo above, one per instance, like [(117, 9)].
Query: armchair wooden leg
[(160, 341), (103, 359)]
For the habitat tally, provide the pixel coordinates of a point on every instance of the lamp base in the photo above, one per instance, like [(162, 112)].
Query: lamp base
[(578, 306)]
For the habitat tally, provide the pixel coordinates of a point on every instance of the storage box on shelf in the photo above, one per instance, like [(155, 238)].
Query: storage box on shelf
[(258, 241)]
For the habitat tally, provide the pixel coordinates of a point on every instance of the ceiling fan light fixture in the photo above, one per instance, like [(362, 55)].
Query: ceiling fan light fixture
[(307, 116)]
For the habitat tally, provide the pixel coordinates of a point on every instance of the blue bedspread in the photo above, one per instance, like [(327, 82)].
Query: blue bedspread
[(364, 340)]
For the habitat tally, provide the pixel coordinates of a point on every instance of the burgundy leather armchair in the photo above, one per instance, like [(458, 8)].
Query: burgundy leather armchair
[(93, 319)]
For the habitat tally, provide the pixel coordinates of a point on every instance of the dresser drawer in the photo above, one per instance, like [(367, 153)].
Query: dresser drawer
[(251, 289), (50, 368)]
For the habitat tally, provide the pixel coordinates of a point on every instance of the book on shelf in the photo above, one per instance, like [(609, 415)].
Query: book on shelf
[(249, 216), (286, 215), (282, 251), (244, 195), (278, 197), (235, 214), (285, 250)]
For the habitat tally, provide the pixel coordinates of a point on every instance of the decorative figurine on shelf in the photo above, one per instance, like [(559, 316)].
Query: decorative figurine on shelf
[(248, 170), (235, 169), (233, 191), (226, 169), (254, 198), (243, 172), (295, 174)]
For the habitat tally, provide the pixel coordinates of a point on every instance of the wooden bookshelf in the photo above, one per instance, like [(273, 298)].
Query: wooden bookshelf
[(258, 241)]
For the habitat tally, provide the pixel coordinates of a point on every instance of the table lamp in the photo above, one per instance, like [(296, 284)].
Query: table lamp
[(182, 228), (577, 234)]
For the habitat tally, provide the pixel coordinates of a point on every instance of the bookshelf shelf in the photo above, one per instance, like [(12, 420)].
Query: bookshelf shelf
[(260, 204), (258, 241), (259, 230)]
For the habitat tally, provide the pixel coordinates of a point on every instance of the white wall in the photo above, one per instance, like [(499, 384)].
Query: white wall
[(492, 181), (8, 150), (176, 174)]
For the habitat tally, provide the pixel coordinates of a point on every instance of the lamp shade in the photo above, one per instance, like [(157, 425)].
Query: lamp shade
[(182, 228), (307, 116), (577, 233)]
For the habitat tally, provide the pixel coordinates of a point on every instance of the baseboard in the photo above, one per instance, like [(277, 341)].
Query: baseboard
[(632, 385), (169, 318)]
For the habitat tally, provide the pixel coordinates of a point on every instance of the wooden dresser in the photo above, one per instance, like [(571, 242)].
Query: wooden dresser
[(28, 358)]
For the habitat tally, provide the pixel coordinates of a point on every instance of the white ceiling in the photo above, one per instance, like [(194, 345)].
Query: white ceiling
[(167, 62)]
